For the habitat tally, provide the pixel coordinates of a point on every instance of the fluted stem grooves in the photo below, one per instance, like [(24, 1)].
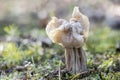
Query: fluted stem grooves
[(76, 60)]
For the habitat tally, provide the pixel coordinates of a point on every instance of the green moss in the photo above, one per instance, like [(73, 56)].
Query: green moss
[(102, 39)]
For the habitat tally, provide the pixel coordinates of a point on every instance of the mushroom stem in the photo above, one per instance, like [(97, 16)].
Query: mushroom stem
[(67, 58), (76, 60)]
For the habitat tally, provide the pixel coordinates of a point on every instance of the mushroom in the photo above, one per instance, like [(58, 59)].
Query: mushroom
[(72, 35)]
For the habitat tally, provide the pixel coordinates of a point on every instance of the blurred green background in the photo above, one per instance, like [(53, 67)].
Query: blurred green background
[(26, 52)]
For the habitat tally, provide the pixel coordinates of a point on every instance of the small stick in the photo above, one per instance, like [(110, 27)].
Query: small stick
[(84, 74), (59, 71)]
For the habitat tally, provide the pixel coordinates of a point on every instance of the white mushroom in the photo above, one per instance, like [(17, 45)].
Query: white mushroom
[(72, 35)]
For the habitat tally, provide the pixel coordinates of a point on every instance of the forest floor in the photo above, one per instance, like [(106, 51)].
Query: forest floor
[(32, 56)]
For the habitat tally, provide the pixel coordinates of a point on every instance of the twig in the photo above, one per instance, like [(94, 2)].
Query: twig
[(83, 74), (62, 74), (60, 71)]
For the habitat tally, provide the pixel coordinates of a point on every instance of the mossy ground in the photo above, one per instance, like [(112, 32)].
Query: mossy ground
[(28, 59)]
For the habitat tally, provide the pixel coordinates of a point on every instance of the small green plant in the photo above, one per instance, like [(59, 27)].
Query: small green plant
[(12, 30), (11, 54)]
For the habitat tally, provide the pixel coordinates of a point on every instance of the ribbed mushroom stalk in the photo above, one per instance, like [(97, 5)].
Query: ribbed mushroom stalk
[(72, 35)]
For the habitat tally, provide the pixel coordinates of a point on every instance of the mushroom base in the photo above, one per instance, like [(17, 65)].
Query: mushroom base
[(76, 60)]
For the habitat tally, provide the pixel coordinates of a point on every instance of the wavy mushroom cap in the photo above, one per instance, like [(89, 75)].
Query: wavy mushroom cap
[(77, 16), (69, 34), (53, 30)]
